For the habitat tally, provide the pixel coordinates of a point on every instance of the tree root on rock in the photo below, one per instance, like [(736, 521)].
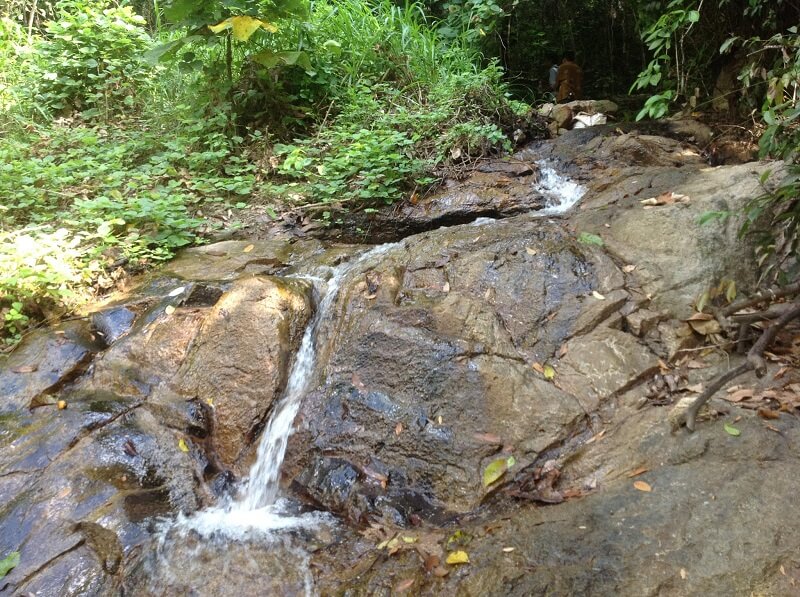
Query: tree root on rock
[(755, 356)]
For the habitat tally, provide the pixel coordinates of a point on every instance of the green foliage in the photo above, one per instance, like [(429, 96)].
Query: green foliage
[(90, 60), (8, 563)]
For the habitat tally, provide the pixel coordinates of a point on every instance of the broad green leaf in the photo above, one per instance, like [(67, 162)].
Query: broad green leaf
[(8, 563), (590, 239), (272, 59), (731, 430)]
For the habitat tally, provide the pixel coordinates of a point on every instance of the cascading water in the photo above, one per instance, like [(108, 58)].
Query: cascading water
[(247, 529)]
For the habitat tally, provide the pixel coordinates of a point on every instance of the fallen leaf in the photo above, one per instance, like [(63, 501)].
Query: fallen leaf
[(737, 419), (766, 413), (683, 574), (169, 310), (590, 239), (705, 328), (431, 562), (530, 251), (701, 317), (407, 539), (25, 369), (596, 437), (731, 430), (598, 296), (210, 402), (8, 563), (783, 570), (508, 549), (548, 372), (439, 419), (739, 395), (643, 486), (398, 429), (496, 469), (639, 471), (538, 367), (404, 585), (446, 287), (62, 404), (177, 291), (562, 352), (772, 428), (457, 557), (628, 268), (488, 438), (182, 445), (695, 389)]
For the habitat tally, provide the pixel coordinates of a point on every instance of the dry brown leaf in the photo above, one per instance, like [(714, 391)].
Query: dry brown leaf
[(683, 574), (639, 471), (701, 317), (538, 367), (596, 437), (488, 438), (739, 395), (248, 248), (705, 328), (404, 585), (643, 486), (562, 352), (737, 419), (398, 429), (766, 413), (695, 389), (696, 364), (431, 562)]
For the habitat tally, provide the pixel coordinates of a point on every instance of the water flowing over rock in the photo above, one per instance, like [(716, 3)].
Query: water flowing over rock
[(441, 390)]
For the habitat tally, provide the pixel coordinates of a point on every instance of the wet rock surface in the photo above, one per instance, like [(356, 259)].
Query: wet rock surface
[(456, 349)]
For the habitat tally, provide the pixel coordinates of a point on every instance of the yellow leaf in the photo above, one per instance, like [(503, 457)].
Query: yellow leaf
[(548, 372), (182, 445), (496, 469), (642, 486), (457, 557), (248, 248), (407, 539), (243, 26), (169, 310)]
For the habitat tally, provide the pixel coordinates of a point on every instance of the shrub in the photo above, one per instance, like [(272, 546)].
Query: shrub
[(90, 59)]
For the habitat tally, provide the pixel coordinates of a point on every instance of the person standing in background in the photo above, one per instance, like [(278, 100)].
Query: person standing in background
[(553, 73), (569, 79)]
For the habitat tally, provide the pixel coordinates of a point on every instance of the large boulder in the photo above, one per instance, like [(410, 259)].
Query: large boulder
[(434, 367)]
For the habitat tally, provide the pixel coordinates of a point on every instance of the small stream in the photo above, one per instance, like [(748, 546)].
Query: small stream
[(257, 526)]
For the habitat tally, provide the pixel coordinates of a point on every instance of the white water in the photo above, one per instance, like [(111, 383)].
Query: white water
[(258, 511)]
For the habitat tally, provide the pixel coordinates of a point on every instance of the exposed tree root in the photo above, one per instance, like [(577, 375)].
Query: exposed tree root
[(755, 356)]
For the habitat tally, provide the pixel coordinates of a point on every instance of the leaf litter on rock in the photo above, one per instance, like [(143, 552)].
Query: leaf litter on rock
[(642, 486)]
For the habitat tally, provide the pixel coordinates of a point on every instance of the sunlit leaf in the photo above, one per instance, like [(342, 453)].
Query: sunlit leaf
[(457, 557), (496, 469), (731, 430), (590, 239), (242, 26), (548, 372), (8, 563), (182, 446)]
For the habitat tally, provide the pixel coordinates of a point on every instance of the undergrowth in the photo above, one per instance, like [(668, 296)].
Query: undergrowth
[(108, 163)]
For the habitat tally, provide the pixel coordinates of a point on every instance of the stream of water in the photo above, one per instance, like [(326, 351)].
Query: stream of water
[(258, 512)]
